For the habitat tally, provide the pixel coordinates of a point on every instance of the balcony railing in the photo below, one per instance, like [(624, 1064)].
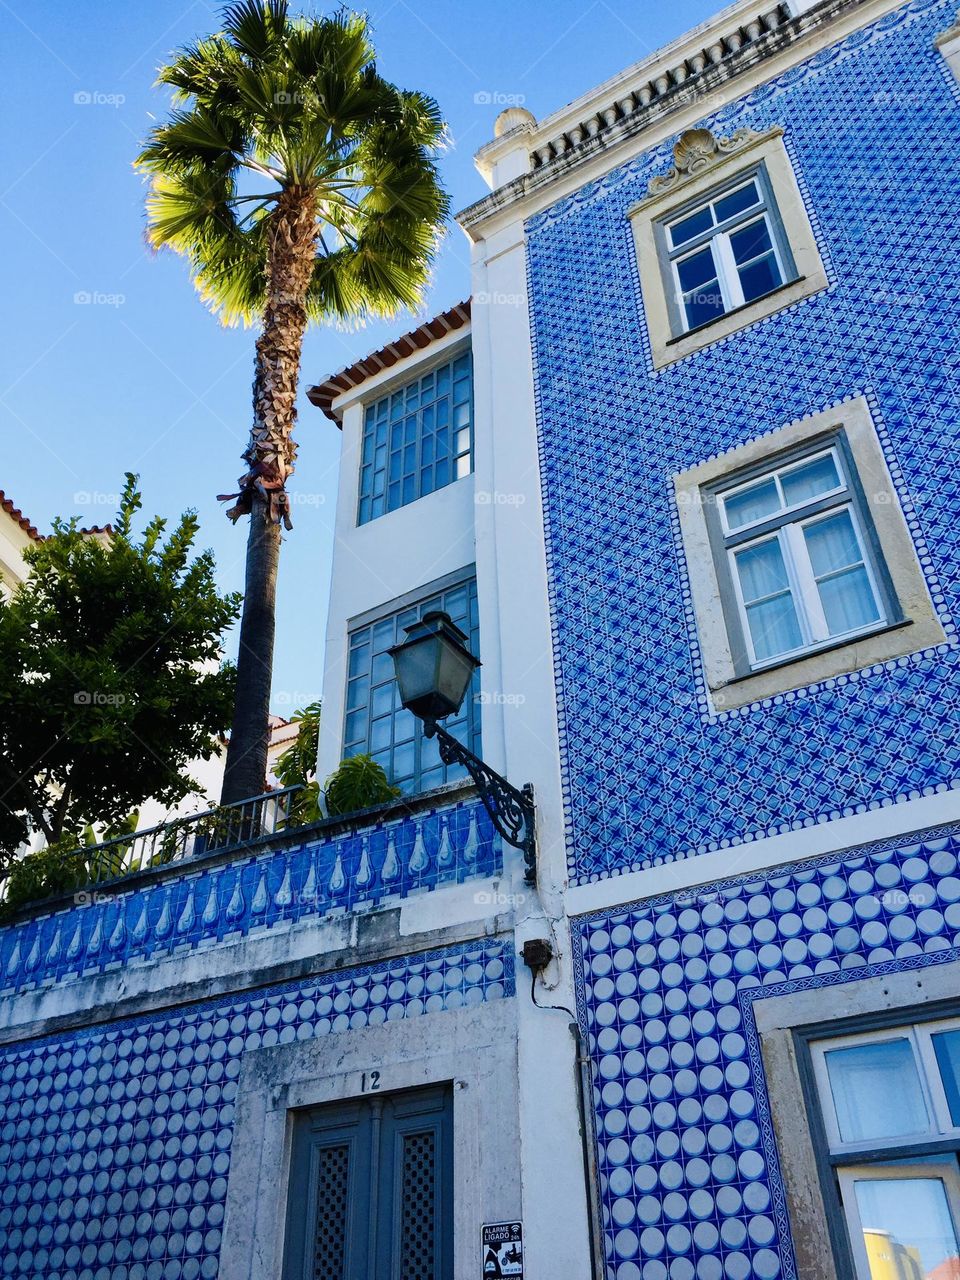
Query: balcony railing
[(223, 829)]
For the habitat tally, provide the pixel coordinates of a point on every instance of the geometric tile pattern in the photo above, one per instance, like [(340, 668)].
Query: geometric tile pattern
[(690, 1184), (365, 867), (873, 128), (115, 1140)]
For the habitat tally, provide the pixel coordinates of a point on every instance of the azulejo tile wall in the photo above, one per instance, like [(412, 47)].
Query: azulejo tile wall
[(873, 127), (115, 1140), (690, 1181), (362, 869)]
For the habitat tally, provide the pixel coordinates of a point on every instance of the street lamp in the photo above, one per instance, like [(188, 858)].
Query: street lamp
[(434, 667)]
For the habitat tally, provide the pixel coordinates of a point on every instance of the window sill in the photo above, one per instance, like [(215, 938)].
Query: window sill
[(735, 311), (829, 646)]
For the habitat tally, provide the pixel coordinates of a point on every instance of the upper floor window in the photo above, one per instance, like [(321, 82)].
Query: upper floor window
[(726, 251), (799, 561), (801, 564), (375, 723), (722, 239), (417, 439), (890, 1105)]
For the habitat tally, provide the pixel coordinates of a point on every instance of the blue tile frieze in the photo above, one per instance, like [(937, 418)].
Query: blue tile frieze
[(115, 1140), (360, 870), (651, 773), (690, 1181)]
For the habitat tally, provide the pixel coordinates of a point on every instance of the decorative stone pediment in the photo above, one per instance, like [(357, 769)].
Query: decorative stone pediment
[(697, 150)]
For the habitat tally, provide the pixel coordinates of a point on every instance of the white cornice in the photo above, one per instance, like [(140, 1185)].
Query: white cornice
[(755, 63)]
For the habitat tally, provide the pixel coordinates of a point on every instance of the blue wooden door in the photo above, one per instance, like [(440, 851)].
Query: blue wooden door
[(371, 1189)]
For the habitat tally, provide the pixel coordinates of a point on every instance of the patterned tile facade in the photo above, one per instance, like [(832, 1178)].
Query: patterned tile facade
[(873, 128), (690, 1182), (115, 1140), (359, 870)]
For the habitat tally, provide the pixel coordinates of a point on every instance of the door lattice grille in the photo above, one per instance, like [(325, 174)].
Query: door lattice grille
[(419, 1207), (330, 1239)]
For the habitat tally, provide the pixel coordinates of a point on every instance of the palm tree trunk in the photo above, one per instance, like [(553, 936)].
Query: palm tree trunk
[(270, 456)]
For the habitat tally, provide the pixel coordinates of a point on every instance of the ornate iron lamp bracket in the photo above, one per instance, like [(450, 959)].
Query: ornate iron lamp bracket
[(511, 811)]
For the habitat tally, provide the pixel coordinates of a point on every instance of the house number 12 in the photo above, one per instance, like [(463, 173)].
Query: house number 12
[(370, 1082)]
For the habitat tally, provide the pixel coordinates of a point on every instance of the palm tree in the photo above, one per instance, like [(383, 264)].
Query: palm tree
[(299, 185)]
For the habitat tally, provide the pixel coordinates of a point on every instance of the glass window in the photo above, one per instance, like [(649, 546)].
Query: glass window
[(889, 1107), (799, 562), (876, 1091), (417, 439), (726, 253), (377, 725)]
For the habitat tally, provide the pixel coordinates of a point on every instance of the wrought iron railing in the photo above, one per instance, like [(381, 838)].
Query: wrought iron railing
[(214, 830)]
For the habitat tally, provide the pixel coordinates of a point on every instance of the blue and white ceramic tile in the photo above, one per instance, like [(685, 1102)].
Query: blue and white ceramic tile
[(689, 1174), (115, 1140), (358, 870), (873, 127)]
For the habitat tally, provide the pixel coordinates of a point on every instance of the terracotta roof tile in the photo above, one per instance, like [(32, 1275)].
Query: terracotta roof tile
[(324, 393)]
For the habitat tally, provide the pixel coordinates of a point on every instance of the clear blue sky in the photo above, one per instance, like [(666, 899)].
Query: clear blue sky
[(143, 378)]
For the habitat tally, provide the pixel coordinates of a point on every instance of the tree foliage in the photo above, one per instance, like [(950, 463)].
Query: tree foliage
[(275, 110), (358, 783), (111, 675), (297, 766)]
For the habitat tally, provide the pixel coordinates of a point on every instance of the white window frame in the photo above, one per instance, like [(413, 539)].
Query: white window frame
[(930, 1167), (920, 1037), (717, 240), (898, 1157), (775, 473), (802, 582)]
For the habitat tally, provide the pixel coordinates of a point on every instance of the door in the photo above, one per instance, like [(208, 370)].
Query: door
[(371, 1189)]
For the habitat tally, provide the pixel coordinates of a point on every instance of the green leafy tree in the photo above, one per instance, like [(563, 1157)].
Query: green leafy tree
[(358, 783), (111, 679), (297, 766), (300, 185)]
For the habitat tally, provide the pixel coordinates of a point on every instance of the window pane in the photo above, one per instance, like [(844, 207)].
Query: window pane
[(705, 304), (876, 1091), (750, 242), (832, 544), (762, 570), (907, 1228), (736, 202), (697, 269), (759, 277), (774, 627), (801, 484), (693, 225), (754, 503), (946, 1045), (414, 412), (376, 723), (848, 601)]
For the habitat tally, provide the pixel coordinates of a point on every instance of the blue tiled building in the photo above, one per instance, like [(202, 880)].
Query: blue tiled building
[(683, 471)]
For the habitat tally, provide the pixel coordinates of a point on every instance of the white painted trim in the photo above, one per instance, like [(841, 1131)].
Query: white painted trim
[(841, 834), (413, 366), (479, 224)]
